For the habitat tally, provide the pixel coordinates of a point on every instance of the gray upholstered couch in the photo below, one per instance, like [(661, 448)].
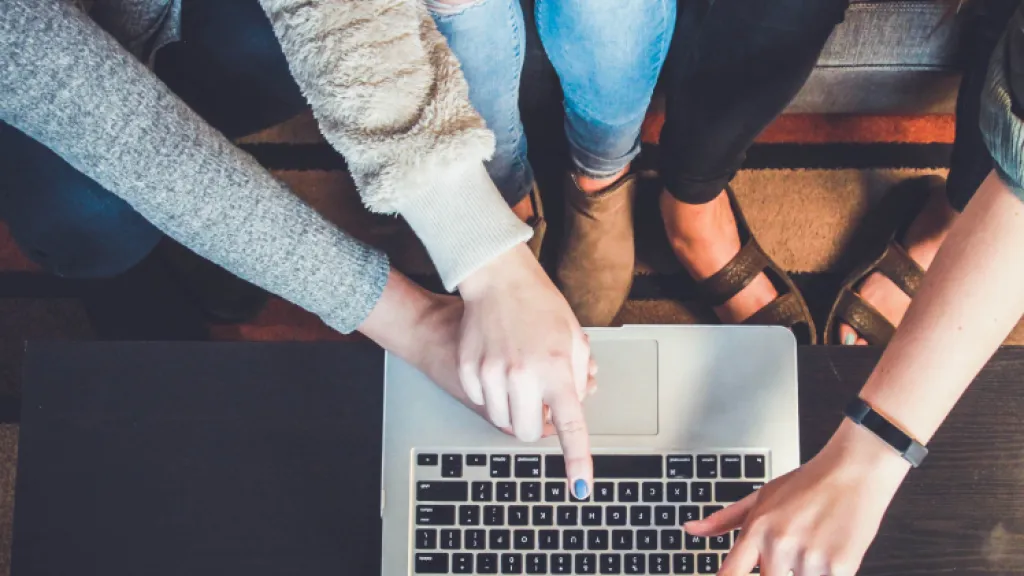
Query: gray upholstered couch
[(887, 57)]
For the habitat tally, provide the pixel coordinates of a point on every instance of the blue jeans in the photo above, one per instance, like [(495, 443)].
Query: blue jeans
[(607, 53), (230, 69)]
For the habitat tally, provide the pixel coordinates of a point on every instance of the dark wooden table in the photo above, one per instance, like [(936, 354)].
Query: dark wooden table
[(121, 442)]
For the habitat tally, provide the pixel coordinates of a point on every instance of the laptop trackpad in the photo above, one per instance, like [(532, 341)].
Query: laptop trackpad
[(626, 401)]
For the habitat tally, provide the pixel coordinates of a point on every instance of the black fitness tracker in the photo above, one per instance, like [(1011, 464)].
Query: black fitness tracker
[(863, 414)]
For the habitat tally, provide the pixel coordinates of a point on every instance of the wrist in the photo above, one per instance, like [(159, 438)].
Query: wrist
[(862, 453), (499, 272)]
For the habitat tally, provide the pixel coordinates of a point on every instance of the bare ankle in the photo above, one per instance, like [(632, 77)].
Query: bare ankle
[(524, 209), (590, 185)]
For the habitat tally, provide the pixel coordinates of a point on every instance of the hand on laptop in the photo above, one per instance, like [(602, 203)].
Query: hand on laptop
[(818, 519), (522, 349)]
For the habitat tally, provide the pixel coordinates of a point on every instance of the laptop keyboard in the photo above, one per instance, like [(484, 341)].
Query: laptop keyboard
[(512, 513)]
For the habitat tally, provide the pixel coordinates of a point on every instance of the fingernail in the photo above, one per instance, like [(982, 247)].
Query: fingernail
[(850, 339), (580, 489)]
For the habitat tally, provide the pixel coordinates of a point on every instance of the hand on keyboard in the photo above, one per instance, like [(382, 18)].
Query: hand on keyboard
[(818, 519), (522, 349)]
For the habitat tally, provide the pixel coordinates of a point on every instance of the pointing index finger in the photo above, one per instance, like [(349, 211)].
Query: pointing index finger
[(567, 415)]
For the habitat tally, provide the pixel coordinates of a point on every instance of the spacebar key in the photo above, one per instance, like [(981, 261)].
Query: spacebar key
[(735, 491), (611, 466)]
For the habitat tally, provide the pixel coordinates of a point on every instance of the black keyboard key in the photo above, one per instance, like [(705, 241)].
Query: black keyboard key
[(646, 539), (658, 564), (476, 460), (700, 491), (469, 515), (615, 516), (462, 563), (501, 466), (523, 540), (682, 564), (652, 491), (498, 539), (554, 491), (597, 539), (512, 563), (586, 563), (567, 515), (506, 492), (494, 515), (483, 491), (536, 564), (451, 539), (735, 491), (572, 540), (671, 539), (476, 539), (753, 465), (676, 491), (426, 459), (696, 542), (611, 466), (622, 539), (543, 516), (451, 466), (635, 564), (431, 563), (679, 467), (688, 514), (629, 492), (720, 542), (529, 492), (664, 516), (732, 466), (486, 563), (640, 515), (518, 515), (610, 563), (707, 563), (548, 540), (707, 466), (590, 516), (604, 492), (528, 466), (443, 515), (709, 510), (426, 539), (441, 491), (561, 563)]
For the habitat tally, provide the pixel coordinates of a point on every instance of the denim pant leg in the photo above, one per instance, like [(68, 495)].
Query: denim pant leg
[(734, 66), (63, 220), (608, 55), (230, 68), (488, 38)]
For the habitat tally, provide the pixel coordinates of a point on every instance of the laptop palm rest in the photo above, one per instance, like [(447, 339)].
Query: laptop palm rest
[(626, 401)]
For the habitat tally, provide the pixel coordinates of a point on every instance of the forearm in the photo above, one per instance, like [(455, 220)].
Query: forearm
[(70, 86), (971, 298)]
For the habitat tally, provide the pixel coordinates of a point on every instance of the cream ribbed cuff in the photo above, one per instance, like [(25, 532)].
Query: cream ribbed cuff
[(464, 223)]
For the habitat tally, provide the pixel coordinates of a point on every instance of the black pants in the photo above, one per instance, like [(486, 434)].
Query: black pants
[(733, 67), (983, 24)]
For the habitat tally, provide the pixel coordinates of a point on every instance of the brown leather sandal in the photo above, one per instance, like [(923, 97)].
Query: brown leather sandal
[(789, 309), (895, 264)]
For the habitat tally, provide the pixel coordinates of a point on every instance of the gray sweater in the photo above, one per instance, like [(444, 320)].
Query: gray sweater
[(387, 93)]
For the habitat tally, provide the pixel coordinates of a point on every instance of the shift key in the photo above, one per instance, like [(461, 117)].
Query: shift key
[(611, 466), (735, 491), (441, 491), (435, 515)]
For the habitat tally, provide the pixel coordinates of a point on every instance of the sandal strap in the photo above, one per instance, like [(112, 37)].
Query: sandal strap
[(785, 310), (736, 275), (864, 318), (897, 265)]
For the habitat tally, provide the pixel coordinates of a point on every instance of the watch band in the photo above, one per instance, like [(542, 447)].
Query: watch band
[(863, 414)]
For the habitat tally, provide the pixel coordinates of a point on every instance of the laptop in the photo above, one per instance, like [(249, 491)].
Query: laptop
[(685, 420)]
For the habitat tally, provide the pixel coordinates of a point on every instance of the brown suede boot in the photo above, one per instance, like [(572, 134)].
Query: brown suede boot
[(595, 271)]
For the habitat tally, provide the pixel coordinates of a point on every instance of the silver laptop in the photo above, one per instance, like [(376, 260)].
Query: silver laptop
[(686, 419)]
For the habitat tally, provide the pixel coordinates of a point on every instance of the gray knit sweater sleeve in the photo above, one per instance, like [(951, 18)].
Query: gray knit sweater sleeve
[(67, 84), (390, 96)]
